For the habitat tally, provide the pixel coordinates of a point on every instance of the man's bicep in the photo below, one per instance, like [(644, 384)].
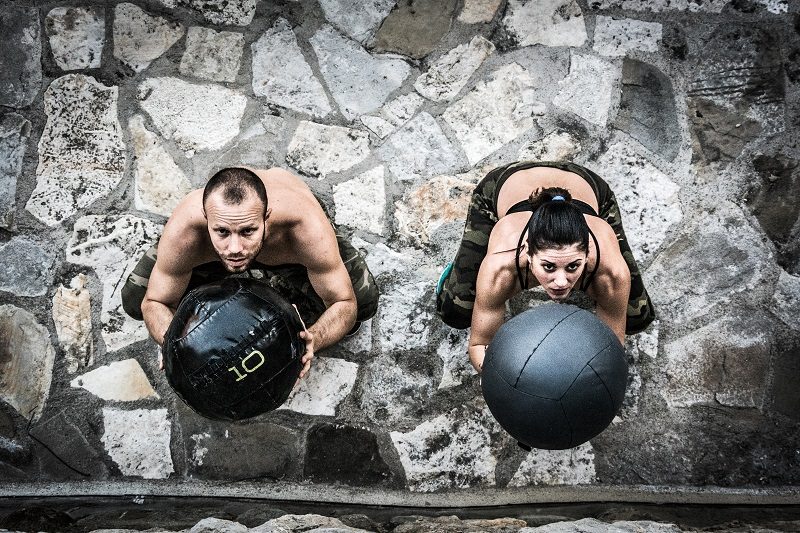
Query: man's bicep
[(167, 287), (331, 282)]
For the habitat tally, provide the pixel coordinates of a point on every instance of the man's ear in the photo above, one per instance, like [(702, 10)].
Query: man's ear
[(266, 215)]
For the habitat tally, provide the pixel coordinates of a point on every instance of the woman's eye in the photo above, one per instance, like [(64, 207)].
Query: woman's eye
[(549, 268), (572, 268)]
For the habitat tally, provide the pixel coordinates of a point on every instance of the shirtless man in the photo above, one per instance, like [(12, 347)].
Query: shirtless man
[(250, 221)]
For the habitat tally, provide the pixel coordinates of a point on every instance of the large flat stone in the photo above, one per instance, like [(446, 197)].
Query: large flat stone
[(26, 268), (556, 467), (356, 18), (361, 201), (72, 316), (495, 112), (358, 81), (326, 385), (384, 261), (614, 37), (555, 146), (196, 117), (281, 74), (140, 38), (456, 367), (26, 360), (15, 131), (396, 390), (318, 149), (160, 183), (593, 525), (69, 434), (589, 89), (719, 132), (786, 300), (220, 12), (77, 36), (344, 454), (414, 27), (112, 246), (393, 115), (142, 453), (404, 317), (694, 6), (21, 60), (547, 22), (478, 11), (772, 197), (212, 55), (445, 78), (295, 522), (120, 381), (81, 151)]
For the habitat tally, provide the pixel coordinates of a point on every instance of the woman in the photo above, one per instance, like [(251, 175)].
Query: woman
[(564, 235)]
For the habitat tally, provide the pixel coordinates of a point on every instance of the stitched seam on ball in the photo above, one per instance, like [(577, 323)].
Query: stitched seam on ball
[(589, 364), (522, 370)]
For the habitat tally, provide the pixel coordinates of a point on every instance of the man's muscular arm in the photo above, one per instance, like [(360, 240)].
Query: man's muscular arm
[(164, 292)]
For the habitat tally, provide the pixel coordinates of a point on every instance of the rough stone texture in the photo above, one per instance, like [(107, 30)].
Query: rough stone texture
[(456, 368), (77, 36), (220, 12), (711, 6), (786, 300), (72, 315), (358, 81), (555, 146), (589, 89), (548, 22), (218, 525), (140, 38), (445, 78), (120, 381), (112, 246), (556, 467), (325, 386), (14, 134), (396, 389), (282, 75), (618, 37), (26, 361), (318, 149), (160, 183), (452, 450), (477, 11), (414, 27), (355, 18), (403, 317), (20, 62), (81, 151), (197, 117), (26, 268), (593, 525), (69, 435), (495, 112), (344, 454), (382, 260), (393, 115), (361, 201), (145, 452), (719, 133), (307, 522), (212, 55), (452, 524), (772, 197)]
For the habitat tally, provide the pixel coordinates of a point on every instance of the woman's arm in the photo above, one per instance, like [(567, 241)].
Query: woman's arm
[(495, 285)]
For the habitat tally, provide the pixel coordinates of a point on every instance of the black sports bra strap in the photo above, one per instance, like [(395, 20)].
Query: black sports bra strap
[(590, 277), (522, 283)]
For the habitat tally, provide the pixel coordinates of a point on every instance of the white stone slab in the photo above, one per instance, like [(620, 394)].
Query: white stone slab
[(361, 341), (358, 81), (160, 183), (77, 36), (590, 88), (556, 146), (318, 150), (139, 37), (120, 381), (325, 386), (212, 55), (404, 317), (197, 117), (112, 246), (547, 22), (556, 467), (694, 6), (618, 37), (361, 201), (220, 12), (81, 151), (358, 19), (495, 112), (455, 361), (72, 315), (445, 78), (138, 441), (786, 300), (393, 115), (26, 267), (775, 6), (478, 11), (281, 74), (383, 260), (15, 131)]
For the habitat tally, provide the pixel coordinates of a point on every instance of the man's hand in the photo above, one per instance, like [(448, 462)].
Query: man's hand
[(308, 337)]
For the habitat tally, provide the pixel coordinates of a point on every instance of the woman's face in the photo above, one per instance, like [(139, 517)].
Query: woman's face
[(558, 269)]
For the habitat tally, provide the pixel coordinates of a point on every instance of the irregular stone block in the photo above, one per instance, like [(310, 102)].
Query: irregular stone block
[(592, 525), (112, 246), (26, 357), (413, 28), (14, 134), (295, 522), (647, 109), (197, 117), (556, 467), (431, 524), (395, 390), (719, 133), (318, 150), (160, 183), (355, 18), (694, 6), (456, 367), (120, 381), (446, 77), (77, 36), (452, 450), (72, 315), (69, 435), (220, 12), (359, 82), (282, 75), (786, 300), (325, 386), (419, 149), (393, 115), (547, 22), (589, 88), (556, 146), (27, 268), (81, 151), (382, 260), (21, 60), (212, 55), (618, 37), (144, 452), (478, 11), (403, 317), (139, 37), (773, 197), (361, 201), (344, 454), (218, 525), (495, 112)]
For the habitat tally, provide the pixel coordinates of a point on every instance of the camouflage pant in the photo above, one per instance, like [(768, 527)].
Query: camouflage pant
[(456, 299), (291, 281)]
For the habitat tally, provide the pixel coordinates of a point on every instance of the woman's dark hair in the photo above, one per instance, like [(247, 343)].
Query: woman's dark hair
[(556, 223), (236, 183)]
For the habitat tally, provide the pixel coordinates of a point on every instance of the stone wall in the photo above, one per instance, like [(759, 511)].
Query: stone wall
[(392, 110)]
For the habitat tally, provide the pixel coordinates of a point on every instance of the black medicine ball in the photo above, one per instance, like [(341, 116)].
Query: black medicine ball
[(554, 376), (232, 350)]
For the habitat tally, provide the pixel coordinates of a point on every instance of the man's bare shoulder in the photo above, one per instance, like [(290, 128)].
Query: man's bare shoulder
[(184, 243)]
